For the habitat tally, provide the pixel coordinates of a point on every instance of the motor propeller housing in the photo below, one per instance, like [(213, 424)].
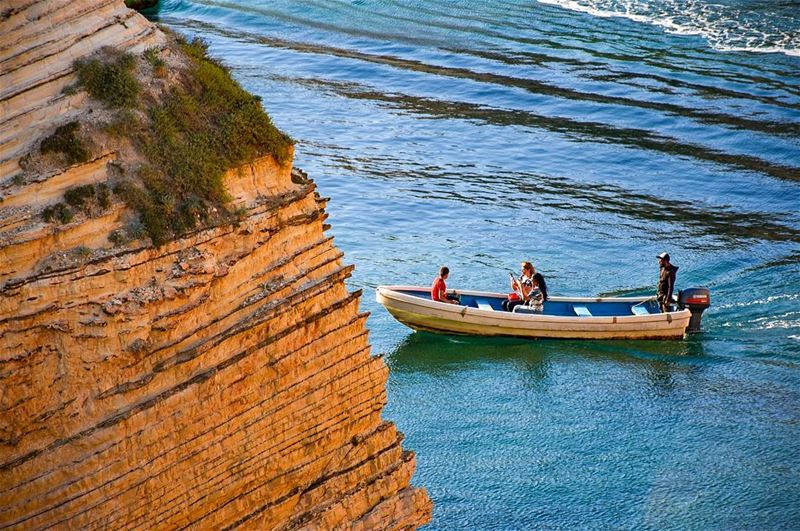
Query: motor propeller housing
[(697, 300)]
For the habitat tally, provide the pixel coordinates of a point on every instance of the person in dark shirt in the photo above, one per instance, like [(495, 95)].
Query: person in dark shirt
[(539, 279), (439, 288), (666, 282)]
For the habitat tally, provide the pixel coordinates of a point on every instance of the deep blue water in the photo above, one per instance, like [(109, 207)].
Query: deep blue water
[(477, 134)]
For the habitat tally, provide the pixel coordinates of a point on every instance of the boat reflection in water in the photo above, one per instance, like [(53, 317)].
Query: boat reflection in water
[(658, 363)]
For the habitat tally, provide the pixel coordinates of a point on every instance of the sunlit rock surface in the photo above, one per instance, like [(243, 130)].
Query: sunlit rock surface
[(223, 379)]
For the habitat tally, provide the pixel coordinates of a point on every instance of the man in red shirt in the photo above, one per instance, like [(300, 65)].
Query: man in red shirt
[(439, 288)]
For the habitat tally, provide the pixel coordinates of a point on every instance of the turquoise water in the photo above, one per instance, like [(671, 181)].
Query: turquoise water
[(477, 134)]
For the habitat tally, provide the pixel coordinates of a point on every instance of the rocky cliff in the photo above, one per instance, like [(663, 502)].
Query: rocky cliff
[(221, 379)]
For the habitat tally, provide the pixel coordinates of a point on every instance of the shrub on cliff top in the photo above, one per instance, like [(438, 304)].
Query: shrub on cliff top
[(110, 79), (65, 141), (200, 128)]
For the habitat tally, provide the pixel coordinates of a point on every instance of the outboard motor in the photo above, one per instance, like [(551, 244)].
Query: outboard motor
[(697, 300)]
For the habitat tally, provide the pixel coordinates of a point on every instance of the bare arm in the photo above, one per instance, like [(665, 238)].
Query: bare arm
[(445, 298), (440, 295), (515, 284)]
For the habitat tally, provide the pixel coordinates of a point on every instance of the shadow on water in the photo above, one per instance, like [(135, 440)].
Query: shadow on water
[(531, 85), (733, 227), (557, 49), (439, 354), (533, 190), (596, 131)]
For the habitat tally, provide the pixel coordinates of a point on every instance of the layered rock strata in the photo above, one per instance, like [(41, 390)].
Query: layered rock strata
[(221, 380)]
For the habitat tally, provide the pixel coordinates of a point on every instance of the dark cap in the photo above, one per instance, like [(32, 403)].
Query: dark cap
[(664, 256)]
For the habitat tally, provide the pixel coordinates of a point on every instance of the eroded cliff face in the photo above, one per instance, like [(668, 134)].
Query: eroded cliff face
[(223, 379)]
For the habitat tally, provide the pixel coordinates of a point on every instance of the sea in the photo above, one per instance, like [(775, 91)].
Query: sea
[(586, 136)]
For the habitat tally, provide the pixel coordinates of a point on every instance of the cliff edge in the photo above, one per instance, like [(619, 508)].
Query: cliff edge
[(177, 348)]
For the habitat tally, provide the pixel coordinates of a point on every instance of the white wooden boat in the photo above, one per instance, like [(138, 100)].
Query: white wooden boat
[(480, 313)]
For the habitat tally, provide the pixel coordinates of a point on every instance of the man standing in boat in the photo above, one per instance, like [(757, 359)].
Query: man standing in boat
[(666, 282), (439, 288)]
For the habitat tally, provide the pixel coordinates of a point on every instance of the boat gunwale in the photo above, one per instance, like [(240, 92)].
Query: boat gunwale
[(390, 292)]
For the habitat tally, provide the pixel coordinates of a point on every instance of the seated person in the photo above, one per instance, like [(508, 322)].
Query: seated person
[(439, 288), (532, 290), (522, 287), (538, 294)]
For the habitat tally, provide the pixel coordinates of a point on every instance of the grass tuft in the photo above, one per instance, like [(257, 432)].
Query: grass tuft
[(151, 212), (58, 212), (103, 196), (79, 195), (82, 252), (65, 141), (131, 232), (124, 125), (88, 198), (110, 79), (152, 55)]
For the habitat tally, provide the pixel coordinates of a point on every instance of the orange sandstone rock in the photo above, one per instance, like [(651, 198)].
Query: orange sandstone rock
[(222, 380)]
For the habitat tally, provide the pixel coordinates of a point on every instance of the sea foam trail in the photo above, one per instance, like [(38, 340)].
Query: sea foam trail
[(724, 27)]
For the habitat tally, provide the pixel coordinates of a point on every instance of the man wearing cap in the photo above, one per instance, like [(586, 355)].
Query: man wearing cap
[(666, 282)]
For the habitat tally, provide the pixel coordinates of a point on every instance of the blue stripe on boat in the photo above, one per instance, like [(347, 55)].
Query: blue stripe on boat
[(556, 308)]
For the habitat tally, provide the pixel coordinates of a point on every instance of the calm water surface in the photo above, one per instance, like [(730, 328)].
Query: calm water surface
[(586, 136)]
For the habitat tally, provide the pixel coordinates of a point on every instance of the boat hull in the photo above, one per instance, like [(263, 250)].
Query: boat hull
[(427, 315)]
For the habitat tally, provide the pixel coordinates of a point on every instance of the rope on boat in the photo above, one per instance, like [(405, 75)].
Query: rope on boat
[(644, 301)]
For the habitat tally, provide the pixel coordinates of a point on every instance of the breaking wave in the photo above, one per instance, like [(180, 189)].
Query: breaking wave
[(763, 26), (757, 302)]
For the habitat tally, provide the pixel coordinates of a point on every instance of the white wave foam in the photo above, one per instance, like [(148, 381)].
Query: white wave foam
[(725, 27), (788, 320), (758, 302)]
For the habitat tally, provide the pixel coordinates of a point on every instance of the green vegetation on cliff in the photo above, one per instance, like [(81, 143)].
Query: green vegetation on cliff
[(110, 80), (66, 142), (91, 199), (189, 135), (58, 212)]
